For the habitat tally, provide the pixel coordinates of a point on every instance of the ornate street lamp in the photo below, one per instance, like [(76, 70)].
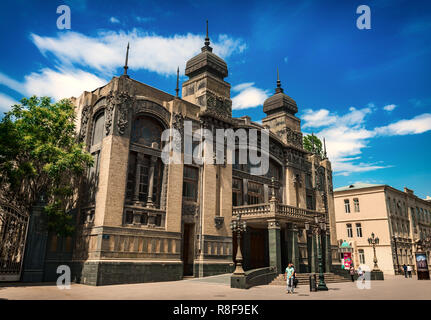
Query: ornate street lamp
[(238, 226), (318, 228), (373, 241)]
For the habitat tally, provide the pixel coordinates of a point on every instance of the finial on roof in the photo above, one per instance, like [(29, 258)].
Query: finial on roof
[(207, 42), (178, 77), (127, 60), (324, 149), (207, 39), (312, 142), (279, 88)]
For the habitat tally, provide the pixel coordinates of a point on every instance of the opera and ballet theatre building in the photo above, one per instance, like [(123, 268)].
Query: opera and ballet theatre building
[(143, 219)]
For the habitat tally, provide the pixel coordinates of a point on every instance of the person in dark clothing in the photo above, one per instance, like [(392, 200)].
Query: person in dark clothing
[(352, 273), (405, 270)]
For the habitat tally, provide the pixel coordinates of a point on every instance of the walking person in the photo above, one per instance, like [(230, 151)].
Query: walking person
[(352, 273), (405, 270), (295, 280), (288, 276), (361, 274), (409, 270)]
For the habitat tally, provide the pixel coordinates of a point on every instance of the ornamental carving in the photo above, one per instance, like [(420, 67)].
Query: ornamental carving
[(191, 209), (178, 124), (121, 101), (219, 105), (292, 137), (85, 116)]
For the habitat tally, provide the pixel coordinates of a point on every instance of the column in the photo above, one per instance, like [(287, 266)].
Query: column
[(274, 247), (312, 259), (328, 252), (151, 182), (139, 158), (294, 246)]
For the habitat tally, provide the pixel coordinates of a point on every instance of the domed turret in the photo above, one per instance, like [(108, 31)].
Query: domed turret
[(279, 102), (206, 61)]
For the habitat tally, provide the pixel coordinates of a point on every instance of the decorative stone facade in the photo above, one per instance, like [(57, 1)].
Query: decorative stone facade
[(142, 220)]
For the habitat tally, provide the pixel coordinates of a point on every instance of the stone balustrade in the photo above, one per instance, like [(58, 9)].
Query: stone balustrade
[(274, 210)]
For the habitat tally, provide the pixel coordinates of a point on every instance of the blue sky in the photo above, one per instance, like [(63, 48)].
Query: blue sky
[(367, 91)]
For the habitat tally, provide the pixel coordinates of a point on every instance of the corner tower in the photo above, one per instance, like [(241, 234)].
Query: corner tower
[(280, 117), (206, 86)]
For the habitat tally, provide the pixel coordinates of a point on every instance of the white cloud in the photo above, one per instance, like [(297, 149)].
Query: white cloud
[(248, 96), (346, 135), (389, 107), (6, 102), (316, 119), (114, 20), (58, 84), (152, 52), (418, 124)]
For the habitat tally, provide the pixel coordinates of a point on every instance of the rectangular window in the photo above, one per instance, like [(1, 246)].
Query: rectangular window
[(359, 230), (349, 230), (361, 256), (143, 179), (356, 203), (237, 196), (255, 193), (347, 205), (190, 183)]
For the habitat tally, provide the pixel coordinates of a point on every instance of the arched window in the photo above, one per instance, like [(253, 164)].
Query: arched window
[(146, 130), (99, 124)]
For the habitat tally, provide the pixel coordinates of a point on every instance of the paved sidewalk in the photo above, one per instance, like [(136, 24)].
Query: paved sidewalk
[(218, 288)]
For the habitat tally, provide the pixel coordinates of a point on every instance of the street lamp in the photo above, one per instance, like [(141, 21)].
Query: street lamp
[(237, 226), (373, 241), (318, 228)]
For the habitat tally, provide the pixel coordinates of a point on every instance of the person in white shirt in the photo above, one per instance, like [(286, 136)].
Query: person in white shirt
[(409, 270)]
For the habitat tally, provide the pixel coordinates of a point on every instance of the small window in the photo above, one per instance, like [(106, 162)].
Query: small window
[(98, 129), (361, 256), (190, 183), (347, 205), (356, 203), (359, 230), (349, 230), (129, 217), (255, 193), (237, 195)]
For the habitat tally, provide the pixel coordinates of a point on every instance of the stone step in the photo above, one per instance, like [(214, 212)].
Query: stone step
[(303, 279)]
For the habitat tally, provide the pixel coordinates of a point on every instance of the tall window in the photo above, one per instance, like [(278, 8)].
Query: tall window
[(237, 195), (347, 205), (349, 230), (255, 193), (190, 183), (356, 203), (99, 124), (361, 256), (359, 230)]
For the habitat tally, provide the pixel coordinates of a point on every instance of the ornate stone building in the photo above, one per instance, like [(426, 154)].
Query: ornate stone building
[(142, 220)]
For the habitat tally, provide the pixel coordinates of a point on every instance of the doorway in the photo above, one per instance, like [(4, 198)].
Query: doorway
[(188, 249)]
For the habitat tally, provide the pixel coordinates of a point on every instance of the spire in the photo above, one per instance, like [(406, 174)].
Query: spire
[(324, 149), (279, 88), (312, 142), (207, 42), (127, 60), (178, 79)]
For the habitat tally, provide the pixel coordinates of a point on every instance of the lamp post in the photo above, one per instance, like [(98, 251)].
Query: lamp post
[(237, 226), (318, 228), (373, 241)]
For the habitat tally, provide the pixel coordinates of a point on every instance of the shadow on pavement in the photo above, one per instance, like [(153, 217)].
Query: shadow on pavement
[(22, 284)]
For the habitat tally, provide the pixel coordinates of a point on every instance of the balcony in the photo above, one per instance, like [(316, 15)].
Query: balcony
[(276, 210)]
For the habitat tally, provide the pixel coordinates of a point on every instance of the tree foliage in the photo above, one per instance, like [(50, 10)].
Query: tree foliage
[(313, 144), (41, 157)]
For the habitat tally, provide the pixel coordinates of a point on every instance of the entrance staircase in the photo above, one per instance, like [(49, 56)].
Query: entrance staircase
[(303, 279)]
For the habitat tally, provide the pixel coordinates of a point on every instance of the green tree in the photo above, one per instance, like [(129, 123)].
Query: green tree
[(40, 156), (313, 144)]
